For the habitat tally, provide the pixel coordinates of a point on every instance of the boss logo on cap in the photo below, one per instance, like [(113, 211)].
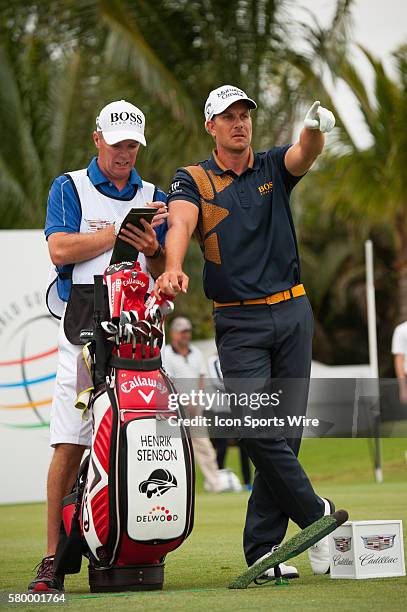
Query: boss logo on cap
[(125, 116)]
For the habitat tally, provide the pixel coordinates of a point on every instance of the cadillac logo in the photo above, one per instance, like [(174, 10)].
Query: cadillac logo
[(378, 542), (343, 544)]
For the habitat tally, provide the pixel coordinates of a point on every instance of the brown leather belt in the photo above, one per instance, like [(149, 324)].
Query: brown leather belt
[(275, 298)]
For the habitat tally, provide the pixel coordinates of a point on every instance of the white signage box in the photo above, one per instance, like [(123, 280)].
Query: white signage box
[(367, 549)]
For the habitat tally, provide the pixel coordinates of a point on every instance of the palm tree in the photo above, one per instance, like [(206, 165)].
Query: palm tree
[(370, 185), (40, 120), (61, 62), (70, 58)]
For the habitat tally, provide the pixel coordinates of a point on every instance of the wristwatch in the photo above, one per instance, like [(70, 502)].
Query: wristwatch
[(156, 253)]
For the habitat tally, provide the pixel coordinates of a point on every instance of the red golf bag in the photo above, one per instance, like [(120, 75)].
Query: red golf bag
[(133, 501)]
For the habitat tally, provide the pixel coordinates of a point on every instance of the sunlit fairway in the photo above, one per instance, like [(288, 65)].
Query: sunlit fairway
[(198, 573)]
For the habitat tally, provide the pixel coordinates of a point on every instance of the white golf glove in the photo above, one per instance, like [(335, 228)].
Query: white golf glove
[(319, 118)]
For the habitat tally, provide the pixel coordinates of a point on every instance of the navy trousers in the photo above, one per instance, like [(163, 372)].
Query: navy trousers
[(257, 344)]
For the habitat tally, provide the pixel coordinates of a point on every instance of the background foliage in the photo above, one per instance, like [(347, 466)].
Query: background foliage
[(61, 62)]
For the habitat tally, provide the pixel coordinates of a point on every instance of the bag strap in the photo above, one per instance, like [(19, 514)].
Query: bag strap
[(98, 335)]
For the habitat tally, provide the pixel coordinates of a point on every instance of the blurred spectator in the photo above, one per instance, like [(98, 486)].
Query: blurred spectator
[(185, 364), (399, 350), (221, 444)]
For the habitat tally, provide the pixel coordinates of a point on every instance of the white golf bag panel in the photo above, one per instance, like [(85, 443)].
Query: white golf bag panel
[(157, 507)]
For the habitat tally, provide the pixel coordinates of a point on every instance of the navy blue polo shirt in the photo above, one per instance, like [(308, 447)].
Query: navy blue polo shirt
[(245, 226)]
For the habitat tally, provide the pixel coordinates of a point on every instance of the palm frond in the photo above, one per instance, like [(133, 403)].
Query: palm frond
[(350, 75), (334, 255), (13, 198), (127, 49), (62, 97), (18, 151)]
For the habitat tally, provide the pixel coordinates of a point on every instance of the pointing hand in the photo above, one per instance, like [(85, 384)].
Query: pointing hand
[(319, 118)]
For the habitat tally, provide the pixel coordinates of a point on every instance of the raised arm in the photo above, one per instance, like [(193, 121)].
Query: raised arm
[(300, 157)]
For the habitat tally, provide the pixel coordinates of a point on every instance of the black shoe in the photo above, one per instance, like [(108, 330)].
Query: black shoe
[(46, 581)]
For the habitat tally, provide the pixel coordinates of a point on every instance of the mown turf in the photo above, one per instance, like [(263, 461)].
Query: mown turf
[(198, 573)]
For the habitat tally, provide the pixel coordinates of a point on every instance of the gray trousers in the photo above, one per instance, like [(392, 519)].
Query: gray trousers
[(257, 344)]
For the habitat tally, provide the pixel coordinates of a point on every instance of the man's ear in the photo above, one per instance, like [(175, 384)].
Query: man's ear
[(209, 127), (96, 139)]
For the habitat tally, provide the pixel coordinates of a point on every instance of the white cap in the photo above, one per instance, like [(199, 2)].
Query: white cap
[(180, 324), (121, 121), (222, 97)]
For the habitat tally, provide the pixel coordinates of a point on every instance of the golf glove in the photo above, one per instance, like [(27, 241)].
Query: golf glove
[(319, 118)]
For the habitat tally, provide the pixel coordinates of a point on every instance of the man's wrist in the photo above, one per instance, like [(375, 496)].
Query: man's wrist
[(105, 237), (116, 227), (156, 253)]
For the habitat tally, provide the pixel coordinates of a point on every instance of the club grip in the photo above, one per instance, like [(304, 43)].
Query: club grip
[(341, 516)]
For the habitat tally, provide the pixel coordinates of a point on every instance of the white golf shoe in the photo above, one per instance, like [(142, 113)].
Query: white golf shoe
[(319, 553), (287, 571)]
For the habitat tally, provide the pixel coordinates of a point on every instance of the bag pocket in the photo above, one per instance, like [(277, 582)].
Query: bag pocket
[(68, 556), (79, 312)]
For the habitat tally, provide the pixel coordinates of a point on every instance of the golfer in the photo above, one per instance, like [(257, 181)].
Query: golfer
[(237, 202), (85, 209)]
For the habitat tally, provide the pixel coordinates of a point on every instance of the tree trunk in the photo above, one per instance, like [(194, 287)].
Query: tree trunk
[(401, 265), (402, 290)]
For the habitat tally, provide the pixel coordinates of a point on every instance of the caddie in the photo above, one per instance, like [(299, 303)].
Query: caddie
[(238, 204), (85, 208)]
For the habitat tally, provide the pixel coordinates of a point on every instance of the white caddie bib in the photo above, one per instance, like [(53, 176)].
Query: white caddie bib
[(98, 211)]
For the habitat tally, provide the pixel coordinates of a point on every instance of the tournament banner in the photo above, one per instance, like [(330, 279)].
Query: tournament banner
[(28, 359)]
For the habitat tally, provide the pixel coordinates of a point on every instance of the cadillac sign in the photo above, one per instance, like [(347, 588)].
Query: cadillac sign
[(378, 542), (343, 544)]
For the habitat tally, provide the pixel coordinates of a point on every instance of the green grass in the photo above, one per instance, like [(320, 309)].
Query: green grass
[(198, 573)]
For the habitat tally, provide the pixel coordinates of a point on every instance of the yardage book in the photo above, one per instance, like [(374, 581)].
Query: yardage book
[(123, 251)]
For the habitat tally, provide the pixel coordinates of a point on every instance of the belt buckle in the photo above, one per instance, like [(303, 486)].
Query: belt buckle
[(280, 296)]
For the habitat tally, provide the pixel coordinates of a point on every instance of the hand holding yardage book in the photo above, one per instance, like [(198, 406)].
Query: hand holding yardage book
[(123, 251)]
